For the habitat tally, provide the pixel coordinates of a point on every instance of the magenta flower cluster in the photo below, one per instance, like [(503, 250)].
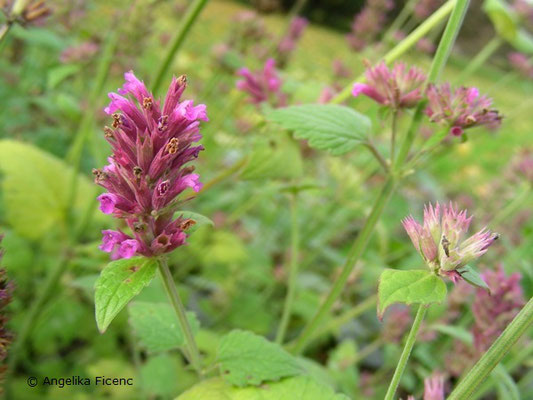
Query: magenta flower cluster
[(495, 310), (147, 172), (439, 239), (263, 85), (460, 109), (397, 88), (368, 23), (288, 42)]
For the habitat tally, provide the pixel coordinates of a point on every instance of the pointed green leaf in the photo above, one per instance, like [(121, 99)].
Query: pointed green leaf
[(296, 388), (502, 17), (248, 359), (157, 326), (408, 287), (337, 129), (472, 276), (118, 283)]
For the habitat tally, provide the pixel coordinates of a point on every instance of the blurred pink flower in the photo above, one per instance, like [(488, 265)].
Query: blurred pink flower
[(495, 310), (434, 387), (424, 8), (368, 23), (396, 88), (522, 63), (263, 85), (147, 172), (462, 109), (439, 239), (82, 52)]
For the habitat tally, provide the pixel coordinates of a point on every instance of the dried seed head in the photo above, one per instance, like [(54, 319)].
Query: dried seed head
[(172, 146)]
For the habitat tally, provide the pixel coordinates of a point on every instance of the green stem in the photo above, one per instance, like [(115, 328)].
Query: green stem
[(401, 48), (481, 58), (353, 256), (406, 352), (394, 128), (402, 17), (4, 30), (293, 270), (518, 326), (375, 152), (193, 11), (174, 297)]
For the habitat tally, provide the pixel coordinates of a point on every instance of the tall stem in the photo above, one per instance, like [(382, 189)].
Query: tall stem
[(394, 127), (186, 24), (410, 41), (293, 271), (495, 353), (353, 256), (174, 297), (406, 352)]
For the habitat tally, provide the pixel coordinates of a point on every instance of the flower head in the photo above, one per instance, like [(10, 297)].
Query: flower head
[(152, 144), (396, 88), (263, 85), (460, 109), (368, 23), (287, 44), (439, 240)]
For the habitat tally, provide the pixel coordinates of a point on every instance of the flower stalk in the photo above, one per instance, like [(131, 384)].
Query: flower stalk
[(293, 270), (406, 352), (193, 354)]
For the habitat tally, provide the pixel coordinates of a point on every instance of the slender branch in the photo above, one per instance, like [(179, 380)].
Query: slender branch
[(406, 352), (193, 11), (353, 256), (293, 270), (375, 152), (192, 349), (519, 325)]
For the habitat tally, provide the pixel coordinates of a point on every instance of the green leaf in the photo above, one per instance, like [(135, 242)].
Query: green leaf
[(119, 282), (505, 383), (456, 332), (58, 74), (523, 42), (297, 388), (337, 129), (201, 220), (158, 376), (248, 359), (414, 286), (273, 158), (35, 188), (470, 275), (502, 17), (157, 326)]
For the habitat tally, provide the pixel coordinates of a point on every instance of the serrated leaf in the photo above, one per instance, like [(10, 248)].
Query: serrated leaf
[(408, 287), (273, 158), (157, 326), (28, 170), (201, 220), (296, 388), (502, 18), (337, 129), (473, 277), (119, 282), (246, 359)]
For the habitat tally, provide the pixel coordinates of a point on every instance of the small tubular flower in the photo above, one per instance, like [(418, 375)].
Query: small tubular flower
[(147, 172), (439, 240), (288, 43), (263, 85), (460, 109), (397, 88), (434, 387)]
